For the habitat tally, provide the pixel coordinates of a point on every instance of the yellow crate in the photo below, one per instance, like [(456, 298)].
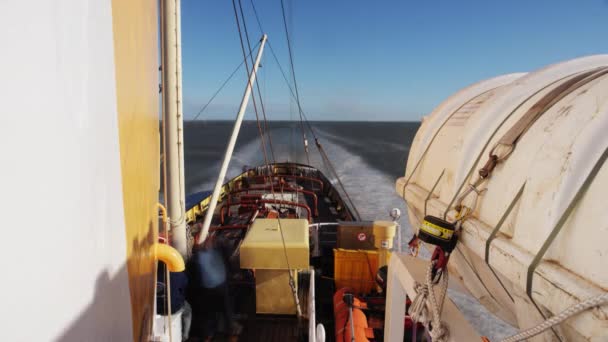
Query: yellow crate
[(272, 292), (355, 269), (263, 247), (263, 250)]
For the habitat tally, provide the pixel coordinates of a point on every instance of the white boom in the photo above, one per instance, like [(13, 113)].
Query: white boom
[(231, 143)]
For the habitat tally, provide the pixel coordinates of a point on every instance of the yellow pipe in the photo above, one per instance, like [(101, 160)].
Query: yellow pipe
[(170, 256), (164, 212)]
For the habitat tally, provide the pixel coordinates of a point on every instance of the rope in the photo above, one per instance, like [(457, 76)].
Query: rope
[(295, 94), (426, 308), (291, 90), (224, 84), (257, 18), (331, 168), (257, 86), (324, 156), (291, 280), (564, 315), (295, 83), (255, 108)]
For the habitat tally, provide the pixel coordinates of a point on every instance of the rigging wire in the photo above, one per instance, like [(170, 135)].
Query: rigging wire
[(303, 117), (299, 107), (295, 83), (325, 158), (330, 166), (265, 121), (255, 108), (265, 130), (257, 18), (224, 84), (291, 278), (259, 23), (260, 130), (268, 169)]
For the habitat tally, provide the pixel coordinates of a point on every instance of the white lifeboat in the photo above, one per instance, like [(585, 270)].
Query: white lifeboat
[(544, 202)]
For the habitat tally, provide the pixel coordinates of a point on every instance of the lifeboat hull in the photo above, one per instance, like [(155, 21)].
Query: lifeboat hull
[(525, 197)]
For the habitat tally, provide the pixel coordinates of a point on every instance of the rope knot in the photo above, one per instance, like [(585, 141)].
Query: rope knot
[(419, 309), (426, 308), (439, 333), (421, 290)]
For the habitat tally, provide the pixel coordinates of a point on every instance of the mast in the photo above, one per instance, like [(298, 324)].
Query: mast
[(173, 122), (231, 143)]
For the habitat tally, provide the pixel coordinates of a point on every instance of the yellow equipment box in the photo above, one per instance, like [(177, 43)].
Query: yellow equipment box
[(356, 269), (262, 250), (273, 294)]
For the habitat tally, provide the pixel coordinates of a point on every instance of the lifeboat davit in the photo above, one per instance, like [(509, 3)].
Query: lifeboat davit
[(536, 241)]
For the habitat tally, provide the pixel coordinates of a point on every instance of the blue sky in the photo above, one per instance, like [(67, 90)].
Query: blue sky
[(379, 60)]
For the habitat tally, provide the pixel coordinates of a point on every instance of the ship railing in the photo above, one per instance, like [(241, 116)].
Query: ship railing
[(314, 234), (256, 204)]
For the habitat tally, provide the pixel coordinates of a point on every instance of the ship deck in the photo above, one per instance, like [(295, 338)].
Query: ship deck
[(292, 191)]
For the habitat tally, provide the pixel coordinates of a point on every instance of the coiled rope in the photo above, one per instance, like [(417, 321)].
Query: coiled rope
[(426, 301)]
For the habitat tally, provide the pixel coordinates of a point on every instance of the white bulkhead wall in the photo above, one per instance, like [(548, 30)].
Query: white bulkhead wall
[(63, 247)]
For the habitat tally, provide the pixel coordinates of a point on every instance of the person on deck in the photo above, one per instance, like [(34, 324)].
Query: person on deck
[(209, 292)]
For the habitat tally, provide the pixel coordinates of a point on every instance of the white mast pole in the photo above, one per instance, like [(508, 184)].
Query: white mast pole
[(231, 143), (173, 122)]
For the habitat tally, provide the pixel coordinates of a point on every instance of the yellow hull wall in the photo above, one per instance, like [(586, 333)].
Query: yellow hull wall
[(135, 25)]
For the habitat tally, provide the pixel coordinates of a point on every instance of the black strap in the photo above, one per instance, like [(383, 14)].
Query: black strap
[(502, 221), (495, 232), (428, 197)]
